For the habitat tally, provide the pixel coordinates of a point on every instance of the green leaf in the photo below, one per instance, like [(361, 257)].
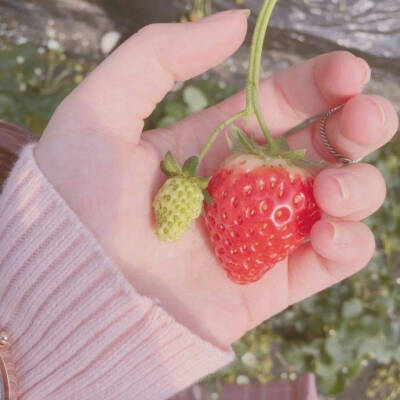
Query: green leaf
[(308, 305), (190, 166), (202, 182), (166, 121), (295, 155), (208, 199), (176, 110), (8, 57), (169, 166), (338, 350), (194, 98), (352, 308), (370, 325), (242, 139), (7, 104), (27, 50), (333, 386), (377, 348), (324, 370), (282, 144)]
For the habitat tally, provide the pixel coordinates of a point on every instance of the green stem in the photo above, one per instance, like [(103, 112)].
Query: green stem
[(218, 130), (252, 97)]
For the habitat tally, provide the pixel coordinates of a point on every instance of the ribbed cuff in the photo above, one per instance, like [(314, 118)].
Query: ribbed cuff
[(78, 329)]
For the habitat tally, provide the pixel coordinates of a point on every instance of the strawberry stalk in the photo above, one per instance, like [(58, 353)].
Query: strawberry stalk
[(253, 79), (219, 129), (252, 86)]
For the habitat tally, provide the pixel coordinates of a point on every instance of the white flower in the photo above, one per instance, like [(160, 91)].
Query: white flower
[(22, 87), (53, 44), (38, 71), (20, 60), (249, 359), (242, 380), (41, 50), (109, 41), (292, 376)]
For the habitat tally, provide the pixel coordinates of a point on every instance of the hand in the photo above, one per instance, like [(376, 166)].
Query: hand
[(93, 151)]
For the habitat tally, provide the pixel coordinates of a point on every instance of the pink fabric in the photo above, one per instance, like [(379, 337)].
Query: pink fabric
[(78, 329)]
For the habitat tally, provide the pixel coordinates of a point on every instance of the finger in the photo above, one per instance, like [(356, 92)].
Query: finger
[(288, 97), (337, 251), (365, 123), (125, 88), (352, 193), (307, 88)]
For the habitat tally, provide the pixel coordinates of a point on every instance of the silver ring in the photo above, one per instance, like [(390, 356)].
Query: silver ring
[(324, 138)]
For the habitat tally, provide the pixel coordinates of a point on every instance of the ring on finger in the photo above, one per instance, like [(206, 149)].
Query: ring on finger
[(328, 145)]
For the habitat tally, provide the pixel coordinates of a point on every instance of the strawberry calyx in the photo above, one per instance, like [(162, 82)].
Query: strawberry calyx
[(239, 142), (170, 167)]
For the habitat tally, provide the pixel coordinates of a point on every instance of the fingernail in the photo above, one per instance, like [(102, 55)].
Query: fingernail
[(381, 111), (340, 235), (340, 179), (366, 77), (225, 14)]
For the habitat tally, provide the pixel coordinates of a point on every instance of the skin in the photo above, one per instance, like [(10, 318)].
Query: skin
[(94, 153)]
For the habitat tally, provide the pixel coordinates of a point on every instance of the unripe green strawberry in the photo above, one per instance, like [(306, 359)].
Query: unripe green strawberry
[(180, 200), (177, 204)]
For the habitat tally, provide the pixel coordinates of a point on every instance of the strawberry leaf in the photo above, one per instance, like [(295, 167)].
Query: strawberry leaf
[(202, 182), (282, 144), (207, 198), (243, 140), (190, 166), (169, 166), (294, 155)]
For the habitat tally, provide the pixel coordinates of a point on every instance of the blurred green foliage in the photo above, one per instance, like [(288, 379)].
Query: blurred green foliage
[(386, 383), (33, 81), (335, 334)]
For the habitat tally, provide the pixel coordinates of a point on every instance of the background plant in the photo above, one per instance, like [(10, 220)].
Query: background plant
[(336, 334), (33, 81)]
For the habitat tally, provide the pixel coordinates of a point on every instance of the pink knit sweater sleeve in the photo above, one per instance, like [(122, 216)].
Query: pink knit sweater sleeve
[(78, 329)]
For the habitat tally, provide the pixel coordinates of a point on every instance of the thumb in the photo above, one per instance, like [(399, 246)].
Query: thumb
[(123, 90)]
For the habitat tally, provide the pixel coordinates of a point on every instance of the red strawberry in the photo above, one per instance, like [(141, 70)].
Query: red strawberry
[(262, 210)]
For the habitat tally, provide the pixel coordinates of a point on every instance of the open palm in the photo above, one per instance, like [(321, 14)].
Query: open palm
[(94, 153)]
